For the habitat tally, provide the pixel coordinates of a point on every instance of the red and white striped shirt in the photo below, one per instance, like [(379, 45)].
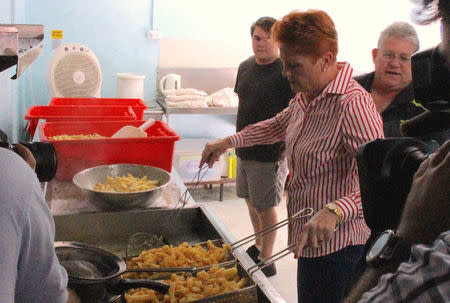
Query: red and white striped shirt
[(322, 139)]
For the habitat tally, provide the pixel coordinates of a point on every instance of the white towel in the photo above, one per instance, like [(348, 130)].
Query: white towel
[(225, 97), (184, 91), (191, 104), (181, 98)]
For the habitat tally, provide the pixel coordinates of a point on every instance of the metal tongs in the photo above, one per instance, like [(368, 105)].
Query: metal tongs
[(306, 212), (182, 201)]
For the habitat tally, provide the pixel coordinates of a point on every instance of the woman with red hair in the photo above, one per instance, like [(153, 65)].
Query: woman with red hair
[(323, 127)]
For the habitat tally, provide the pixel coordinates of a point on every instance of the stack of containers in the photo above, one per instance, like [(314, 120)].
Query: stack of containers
[(85, 109), (74, 156)]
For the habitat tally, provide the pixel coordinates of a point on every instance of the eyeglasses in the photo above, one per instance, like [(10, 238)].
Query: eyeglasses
[(390, 56)]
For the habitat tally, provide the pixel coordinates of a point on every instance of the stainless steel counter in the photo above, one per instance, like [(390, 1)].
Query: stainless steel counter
[(111, 230)]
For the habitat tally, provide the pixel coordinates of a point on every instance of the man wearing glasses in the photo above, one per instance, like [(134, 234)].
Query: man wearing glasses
[(391, 83)]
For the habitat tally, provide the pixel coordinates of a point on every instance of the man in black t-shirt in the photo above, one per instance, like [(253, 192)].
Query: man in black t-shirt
[(261, 170)]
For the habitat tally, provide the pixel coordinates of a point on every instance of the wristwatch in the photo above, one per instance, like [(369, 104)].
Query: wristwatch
[(335, 209), (388, 248)]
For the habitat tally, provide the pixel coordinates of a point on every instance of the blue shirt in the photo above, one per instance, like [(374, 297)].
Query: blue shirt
[(29, 269)]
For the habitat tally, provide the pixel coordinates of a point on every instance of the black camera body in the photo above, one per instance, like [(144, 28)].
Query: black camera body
[(43, 153), (431, 79), (386, 166)]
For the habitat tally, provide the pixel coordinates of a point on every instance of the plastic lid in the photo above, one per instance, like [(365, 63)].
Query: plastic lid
[(130, 76)]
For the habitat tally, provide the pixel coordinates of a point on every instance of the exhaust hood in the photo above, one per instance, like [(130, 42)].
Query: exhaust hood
[(20, 44)]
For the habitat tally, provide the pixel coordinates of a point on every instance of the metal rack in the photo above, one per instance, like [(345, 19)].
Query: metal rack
[(196, 111)]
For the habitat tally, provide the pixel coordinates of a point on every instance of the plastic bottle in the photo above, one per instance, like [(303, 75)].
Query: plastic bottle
[(230, 165), (233, 171)]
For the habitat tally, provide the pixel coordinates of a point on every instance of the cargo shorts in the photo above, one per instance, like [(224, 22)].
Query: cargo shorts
[(261, 182)]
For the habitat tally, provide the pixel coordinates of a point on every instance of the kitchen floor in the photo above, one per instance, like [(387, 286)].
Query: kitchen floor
[(233, 212)]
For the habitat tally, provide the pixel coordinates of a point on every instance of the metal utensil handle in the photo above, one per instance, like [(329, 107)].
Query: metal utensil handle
[(179, 269), (181, 203), (300, 214), (266, 262), (159, 269)]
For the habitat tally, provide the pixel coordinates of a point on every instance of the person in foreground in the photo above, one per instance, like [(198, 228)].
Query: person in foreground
[(30, 270), (391, 83), (323, 127), (261, 170), (425, 277)]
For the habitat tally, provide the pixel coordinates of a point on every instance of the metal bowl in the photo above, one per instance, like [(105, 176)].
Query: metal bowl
[(88, 178)]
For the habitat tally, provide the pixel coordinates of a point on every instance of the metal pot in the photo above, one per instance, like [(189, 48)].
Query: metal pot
[(95, 273)]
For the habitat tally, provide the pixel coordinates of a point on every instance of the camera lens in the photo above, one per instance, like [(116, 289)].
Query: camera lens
[(46, 161)]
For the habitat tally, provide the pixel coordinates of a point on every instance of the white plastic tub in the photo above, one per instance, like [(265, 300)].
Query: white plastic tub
[(130, 86)]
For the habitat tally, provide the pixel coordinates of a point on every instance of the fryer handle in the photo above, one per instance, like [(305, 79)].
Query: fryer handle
[(266, 262), (305, 212), (126, 284), (178, 269), (161, 269)]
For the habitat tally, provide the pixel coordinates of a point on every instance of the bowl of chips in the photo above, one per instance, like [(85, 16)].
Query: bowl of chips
[(122, 186)]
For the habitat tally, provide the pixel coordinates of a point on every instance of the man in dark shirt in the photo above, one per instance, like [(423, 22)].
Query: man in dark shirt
[(391, 83), (261, 170)]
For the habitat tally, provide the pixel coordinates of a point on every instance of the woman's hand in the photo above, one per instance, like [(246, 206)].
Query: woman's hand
[(318, 229), (213, 151)]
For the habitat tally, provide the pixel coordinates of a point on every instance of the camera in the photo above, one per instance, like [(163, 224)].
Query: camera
[(43, 153), (386, 167)]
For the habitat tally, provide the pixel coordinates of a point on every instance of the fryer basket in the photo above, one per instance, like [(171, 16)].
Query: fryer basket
[(247, 294), (164, 270)]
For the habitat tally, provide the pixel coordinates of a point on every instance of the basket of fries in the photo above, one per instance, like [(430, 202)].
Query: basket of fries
[(220, 284), (161, 262)]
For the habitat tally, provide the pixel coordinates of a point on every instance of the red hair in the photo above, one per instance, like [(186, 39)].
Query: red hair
[(310, 33)]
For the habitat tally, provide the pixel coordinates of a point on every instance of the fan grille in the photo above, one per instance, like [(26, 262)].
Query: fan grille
[(76, 75)]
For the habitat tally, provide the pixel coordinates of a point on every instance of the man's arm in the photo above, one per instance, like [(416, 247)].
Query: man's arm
[(369, 280), (425, 215)]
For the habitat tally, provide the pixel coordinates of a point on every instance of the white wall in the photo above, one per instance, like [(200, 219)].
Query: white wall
[(116, 31), (358, 24), (205, 33)]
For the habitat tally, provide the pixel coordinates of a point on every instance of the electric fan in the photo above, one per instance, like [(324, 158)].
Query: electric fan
[(74, 71)]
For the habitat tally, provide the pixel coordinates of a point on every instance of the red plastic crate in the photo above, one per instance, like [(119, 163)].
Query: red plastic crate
[(138, 105), (76, 113), (76, 155)]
